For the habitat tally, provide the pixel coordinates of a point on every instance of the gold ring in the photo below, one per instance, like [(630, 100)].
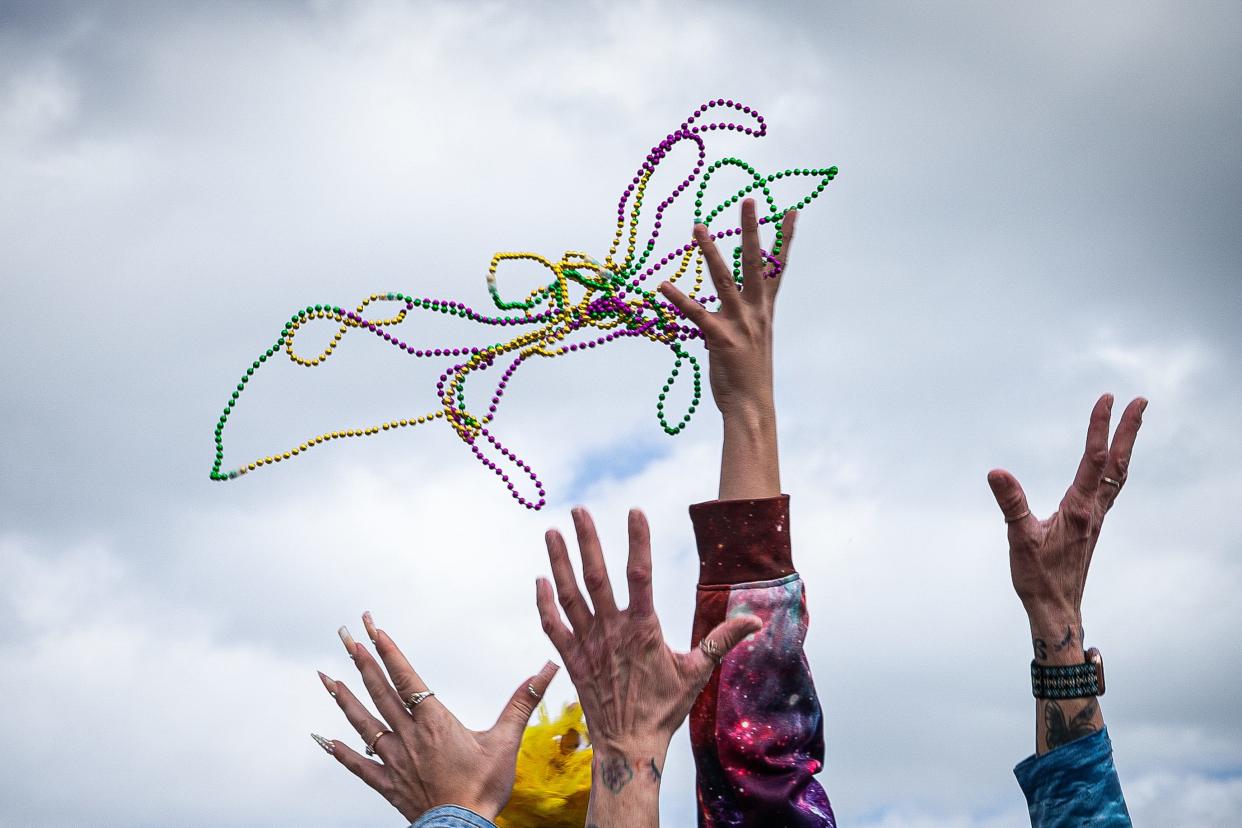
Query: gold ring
[(415, 699), (1017, 518), (1112, 482), (712, 649), (374, 739)]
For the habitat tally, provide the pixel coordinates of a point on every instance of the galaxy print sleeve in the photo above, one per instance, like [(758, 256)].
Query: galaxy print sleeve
[(1075, 784), (757, 729)]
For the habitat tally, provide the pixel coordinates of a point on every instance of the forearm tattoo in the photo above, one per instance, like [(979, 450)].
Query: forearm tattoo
[(615, 773), (1041, 649), (654, 771), (1066, 641), (1057, 731)]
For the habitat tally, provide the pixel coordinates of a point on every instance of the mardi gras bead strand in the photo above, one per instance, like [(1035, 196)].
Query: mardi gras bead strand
[(623, 308)]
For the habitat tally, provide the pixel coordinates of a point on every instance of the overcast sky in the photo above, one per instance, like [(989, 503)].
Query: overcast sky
[(1037, 203)]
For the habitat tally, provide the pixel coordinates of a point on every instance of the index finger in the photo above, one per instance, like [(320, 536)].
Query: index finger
[(722, 275)]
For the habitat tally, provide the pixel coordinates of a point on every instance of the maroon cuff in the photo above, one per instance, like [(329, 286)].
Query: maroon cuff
[(742, 540)]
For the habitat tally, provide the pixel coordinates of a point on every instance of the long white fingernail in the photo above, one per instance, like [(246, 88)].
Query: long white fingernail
[(351, 646), (326, 744)]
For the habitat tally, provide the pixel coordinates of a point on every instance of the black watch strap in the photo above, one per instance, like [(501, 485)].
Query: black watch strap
[(1069, 681)]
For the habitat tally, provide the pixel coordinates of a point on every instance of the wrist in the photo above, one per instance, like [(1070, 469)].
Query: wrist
[(750, 410), (625, 786), (632, 750), (1057, 639)]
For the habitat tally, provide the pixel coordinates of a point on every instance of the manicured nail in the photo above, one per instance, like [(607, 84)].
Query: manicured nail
[(351, 646), (328, 684), (369, 623), (326, 744)]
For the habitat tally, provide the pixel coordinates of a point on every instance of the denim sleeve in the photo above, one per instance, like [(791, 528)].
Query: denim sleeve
[(756, 730), (1073, 785), (451, 816)]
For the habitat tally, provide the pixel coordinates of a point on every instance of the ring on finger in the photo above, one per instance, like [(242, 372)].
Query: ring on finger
[(712, 649), (1017, 518), (415, 699), (1111, 482), (374, 739)]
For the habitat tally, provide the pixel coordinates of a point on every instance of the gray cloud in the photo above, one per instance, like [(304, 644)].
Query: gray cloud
[(1034, 206)]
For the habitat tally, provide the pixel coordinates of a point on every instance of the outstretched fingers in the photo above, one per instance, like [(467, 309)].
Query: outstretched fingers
[(752, 255), (722, 275), (788, 222), (367, 770), (364, 724), (638, 570), (387, 702), (700, 316), (560, 635), (594, 571), (1082, 492), (567, 592), (1118, 466), (404, 677)]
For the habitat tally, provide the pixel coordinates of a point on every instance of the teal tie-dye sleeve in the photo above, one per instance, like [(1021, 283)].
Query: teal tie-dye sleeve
[(1074, 785)]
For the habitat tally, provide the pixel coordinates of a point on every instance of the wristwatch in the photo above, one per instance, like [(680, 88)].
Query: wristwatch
[(1069, 681)]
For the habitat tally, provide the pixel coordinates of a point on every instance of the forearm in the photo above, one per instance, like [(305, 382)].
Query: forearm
[(749, 461), (1057, 639), (625, 788), (756, 730), (1071, 780)]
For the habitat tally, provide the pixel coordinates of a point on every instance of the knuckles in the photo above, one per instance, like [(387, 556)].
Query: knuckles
[(1078, 515), (638, 574), (595, 580)]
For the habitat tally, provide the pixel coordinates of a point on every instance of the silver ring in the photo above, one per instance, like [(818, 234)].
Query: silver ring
[(1017, 518), (712, 649), (374, 739), (1112, 482), (415, 699)]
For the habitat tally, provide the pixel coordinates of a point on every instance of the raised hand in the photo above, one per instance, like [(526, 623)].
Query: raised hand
[(428, 757), (740, 355), (739, 335), (1049, 559), (634, 689)]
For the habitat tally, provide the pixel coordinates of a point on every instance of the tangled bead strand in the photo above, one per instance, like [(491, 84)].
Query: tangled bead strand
[(615, 303)]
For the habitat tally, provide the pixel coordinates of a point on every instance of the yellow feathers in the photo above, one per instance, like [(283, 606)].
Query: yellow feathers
[(553, 774)]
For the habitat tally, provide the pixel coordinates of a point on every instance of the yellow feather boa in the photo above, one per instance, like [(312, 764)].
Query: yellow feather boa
[(553, 782)]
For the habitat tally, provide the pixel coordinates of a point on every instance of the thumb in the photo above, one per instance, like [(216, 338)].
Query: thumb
[(522, 703), (1009, 495), (716, 644)]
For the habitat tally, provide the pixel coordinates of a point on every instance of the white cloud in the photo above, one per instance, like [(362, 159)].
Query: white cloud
[(181, 181)]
